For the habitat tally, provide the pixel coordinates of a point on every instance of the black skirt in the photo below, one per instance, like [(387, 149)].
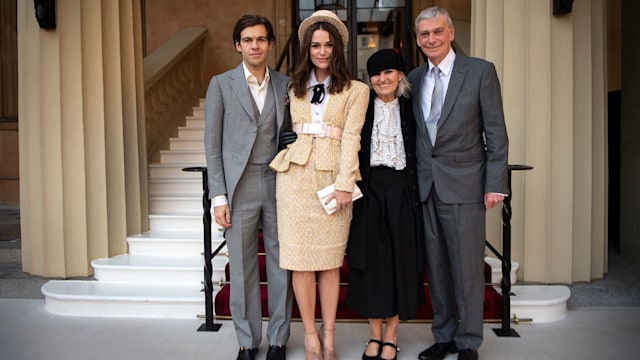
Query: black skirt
[(391, 282)]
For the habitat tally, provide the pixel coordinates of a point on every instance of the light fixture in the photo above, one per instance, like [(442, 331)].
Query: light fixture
[(561, 7), (45, 13)]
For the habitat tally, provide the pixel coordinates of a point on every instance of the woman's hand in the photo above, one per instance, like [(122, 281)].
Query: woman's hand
[(343, 200)]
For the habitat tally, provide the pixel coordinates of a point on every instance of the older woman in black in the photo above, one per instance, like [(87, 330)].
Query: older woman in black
[(384, 254)]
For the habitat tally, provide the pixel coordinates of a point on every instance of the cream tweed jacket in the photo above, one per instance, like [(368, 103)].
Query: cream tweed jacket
[(345, 110)]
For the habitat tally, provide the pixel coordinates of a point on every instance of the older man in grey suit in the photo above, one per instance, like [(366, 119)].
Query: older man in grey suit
[(461, 148), (244, 112)]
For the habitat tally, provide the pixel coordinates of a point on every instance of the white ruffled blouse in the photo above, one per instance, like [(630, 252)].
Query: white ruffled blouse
[(387, 146)]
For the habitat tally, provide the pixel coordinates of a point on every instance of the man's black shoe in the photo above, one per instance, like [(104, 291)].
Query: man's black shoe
[(277, 352), (468, 354), (247, 353), (438, 351)]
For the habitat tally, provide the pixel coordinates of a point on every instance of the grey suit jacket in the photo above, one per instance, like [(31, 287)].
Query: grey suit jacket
[(470, 154), (231, 127)]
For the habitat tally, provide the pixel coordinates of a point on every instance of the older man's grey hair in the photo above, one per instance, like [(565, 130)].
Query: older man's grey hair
[(432, 13)]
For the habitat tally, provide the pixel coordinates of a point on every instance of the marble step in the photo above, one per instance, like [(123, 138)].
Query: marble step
[(185, 157), (171, 221), (194, 121), (160, 170), (175, 186), (186, 144), (157, 269), (160, 278), (179, 203), (539, 303), (199, 111), (178, 243), (134, 300), (496, 270), (191, 132), (129, 268)]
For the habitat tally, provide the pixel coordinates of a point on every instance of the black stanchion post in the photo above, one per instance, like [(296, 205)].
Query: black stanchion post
[(505, 284), (209, 325)]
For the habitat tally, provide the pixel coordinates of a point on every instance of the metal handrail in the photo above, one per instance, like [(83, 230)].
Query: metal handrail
[(505, 257), (209, 324)]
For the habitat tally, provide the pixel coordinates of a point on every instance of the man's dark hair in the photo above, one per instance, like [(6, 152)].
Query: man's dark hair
[(252, 20)]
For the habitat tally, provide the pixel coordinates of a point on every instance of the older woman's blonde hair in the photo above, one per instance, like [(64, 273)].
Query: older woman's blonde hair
[(404, 86)]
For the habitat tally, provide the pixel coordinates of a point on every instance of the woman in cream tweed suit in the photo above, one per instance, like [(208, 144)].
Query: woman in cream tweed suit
[(327, 111)]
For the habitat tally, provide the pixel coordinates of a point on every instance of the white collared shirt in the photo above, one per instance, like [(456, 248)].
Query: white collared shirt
[(446, 67), (317, 110), (258, 90)]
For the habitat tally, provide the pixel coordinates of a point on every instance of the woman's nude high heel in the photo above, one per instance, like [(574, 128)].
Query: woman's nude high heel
[(328, 354), (310, 339)]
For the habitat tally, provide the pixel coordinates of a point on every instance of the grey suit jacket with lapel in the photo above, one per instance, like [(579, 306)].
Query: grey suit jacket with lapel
[(231, 127), (470, 154)]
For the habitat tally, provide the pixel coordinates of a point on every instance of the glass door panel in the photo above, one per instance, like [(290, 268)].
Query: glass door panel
[(381, 25)]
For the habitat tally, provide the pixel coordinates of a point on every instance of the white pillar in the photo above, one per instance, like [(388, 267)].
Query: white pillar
[(552, 71), (82, 148)]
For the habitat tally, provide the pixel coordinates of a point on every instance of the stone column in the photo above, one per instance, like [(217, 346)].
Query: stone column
[(82, 148)]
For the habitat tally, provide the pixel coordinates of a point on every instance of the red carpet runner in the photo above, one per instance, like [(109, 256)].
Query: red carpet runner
[(492, 299)]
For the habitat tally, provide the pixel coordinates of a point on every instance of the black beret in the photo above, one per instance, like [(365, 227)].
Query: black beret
[(385, 59)]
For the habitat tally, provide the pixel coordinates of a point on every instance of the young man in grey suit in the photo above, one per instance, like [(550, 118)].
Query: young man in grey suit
[(461, 156), (244, 112)]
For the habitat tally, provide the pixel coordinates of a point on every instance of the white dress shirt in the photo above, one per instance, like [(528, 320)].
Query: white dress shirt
[(445, 66), (258, 90)]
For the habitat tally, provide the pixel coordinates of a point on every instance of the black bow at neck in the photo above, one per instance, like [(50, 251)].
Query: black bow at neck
[(318, 94)]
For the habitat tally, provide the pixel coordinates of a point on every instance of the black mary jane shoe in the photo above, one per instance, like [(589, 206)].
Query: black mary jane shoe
[(395, 356), (375, 357)]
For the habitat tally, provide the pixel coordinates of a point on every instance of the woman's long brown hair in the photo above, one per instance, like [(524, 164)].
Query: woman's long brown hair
[(340, 75)]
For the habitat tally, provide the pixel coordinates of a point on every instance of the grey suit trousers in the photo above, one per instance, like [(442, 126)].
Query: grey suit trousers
[(254, 203), (455, 236)]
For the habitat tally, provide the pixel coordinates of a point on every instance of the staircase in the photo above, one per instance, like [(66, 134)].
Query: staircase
[(161, 275)]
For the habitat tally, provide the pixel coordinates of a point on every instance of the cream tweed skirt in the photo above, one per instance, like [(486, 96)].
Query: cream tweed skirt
[(310, 239)]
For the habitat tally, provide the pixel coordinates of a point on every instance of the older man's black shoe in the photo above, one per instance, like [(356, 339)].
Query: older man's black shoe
[(277, 352), (438, 351), (468, 354), (247, 354)]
